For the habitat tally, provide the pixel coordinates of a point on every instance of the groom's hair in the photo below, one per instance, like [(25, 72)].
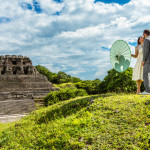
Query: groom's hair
[(147, 32)]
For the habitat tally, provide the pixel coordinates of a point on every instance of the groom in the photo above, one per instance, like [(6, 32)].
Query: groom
[(146, 62)]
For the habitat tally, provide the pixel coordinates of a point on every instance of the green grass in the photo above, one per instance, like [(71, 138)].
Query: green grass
[(117, 122), (4, 126), (65, 85), (62, 95)]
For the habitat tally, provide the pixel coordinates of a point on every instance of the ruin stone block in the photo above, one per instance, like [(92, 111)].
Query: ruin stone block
[(20, 82)]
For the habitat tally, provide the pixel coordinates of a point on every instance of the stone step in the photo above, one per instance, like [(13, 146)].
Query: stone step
[(39, 101), (23, 95), (22, 106), (11, 118)]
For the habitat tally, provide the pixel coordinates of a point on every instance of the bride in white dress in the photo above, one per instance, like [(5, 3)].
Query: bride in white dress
[(138, 68)]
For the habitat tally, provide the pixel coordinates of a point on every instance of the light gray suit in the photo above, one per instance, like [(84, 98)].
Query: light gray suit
[(146, 60)]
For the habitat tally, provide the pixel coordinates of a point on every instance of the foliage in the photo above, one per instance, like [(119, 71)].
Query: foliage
[(65, 85), (118, 82), (94, 122), (113, 82), (63, 94), (52, 77), (57, 78), (62, 77), (91, 86)]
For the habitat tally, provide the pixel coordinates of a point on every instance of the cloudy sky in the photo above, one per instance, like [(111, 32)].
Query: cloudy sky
[(74, 36)]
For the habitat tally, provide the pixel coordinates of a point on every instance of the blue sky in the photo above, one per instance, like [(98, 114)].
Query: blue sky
[(74, 36), (58, 1), (121, 2)]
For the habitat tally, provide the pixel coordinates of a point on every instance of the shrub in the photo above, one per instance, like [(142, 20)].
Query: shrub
[(63, 94), (118, 82), (91, 86)]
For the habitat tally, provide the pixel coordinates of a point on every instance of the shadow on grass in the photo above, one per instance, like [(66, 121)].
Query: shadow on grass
[(68, 109)]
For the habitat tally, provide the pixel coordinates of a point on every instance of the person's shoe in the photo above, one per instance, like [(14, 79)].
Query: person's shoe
[(144, 93)]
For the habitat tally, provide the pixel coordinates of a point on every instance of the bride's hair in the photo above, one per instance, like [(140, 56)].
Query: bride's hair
[(138, 41)]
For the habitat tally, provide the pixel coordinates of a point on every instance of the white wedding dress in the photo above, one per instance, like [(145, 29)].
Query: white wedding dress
[(138, 68)]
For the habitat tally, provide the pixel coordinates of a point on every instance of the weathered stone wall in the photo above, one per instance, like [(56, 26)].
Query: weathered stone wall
[(12, 64), (20, 83), (10, 83)]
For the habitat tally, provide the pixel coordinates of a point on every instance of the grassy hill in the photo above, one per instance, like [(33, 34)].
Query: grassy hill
[(97, 122)]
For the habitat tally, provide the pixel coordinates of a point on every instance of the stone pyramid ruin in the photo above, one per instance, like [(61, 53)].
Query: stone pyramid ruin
[(20, 84)]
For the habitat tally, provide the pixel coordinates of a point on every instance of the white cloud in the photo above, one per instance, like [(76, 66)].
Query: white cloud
[(50, 6), (72, 41)]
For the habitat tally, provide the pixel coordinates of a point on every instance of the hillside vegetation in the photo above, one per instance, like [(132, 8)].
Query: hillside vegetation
[(112, 82), (62, 95), (99, 122)]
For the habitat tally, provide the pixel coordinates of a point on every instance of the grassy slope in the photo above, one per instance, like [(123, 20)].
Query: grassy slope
[(110, 122), (65, 85)]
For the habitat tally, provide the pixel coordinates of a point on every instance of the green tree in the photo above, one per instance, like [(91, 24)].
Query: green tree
[(62, 77), (52, 77), (118, 82), (57, 78), (75, 80)]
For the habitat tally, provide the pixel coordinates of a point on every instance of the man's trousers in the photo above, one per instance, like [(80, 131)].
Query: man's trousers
[(146, 77)]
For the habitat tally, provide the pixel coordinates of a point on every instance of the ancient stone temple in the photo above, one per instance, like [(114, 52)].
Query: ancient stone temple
[(20, 84)]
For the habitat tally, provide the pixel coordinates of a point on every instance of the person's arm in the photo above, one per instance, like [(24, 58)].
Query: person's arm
[(136, 53), (146, 49)]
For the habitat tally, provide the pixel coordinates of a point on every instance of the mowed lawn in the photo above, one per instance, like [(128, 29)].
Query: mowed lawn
[(100, 122)]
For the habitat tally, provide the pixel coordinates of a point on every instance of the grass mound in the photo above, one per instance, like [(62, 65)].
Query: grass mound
[(63, 94), (91, 122)]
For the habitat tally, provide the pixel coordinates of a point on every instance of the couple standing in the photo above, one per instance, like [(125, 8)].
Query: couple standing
[(141, 71)]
